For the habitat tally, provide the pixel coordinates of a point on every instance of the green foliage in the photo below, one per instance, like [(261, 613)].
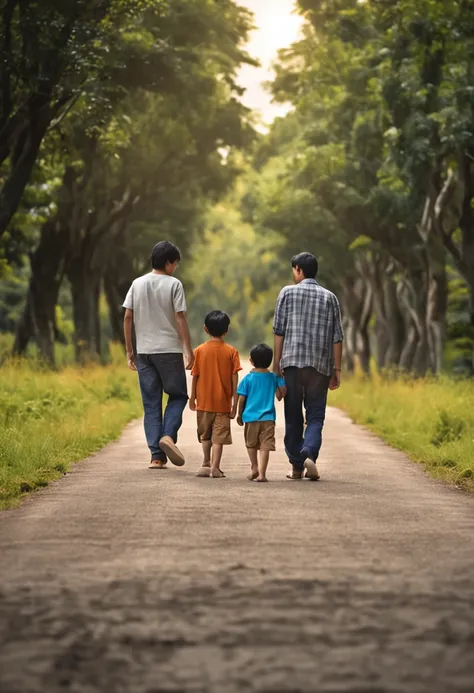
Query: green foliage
[(431, 420), (48, 420)]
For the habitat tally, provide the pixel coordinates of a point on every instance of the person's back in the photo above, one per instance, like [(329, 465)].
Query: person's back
[(156, 299), (214, 390), (308, 348), (156, 306), (308, 316)]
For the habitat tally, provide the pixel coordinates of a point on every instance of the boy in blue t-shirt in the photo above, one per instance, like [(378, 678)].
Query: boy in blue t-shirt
[(257, 409)]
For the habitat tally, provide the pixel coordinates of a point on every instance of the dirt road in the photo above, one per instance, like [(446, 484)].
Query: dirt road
[(121, 579)]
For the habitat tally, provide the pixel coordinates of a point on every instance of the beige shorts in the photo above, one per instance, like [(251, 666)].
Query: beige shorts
[(260, 435), (214, 427)]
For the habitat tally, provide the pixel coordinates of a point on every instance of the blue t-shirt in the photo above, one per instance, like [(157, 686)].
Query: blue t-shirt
[(260, 389)]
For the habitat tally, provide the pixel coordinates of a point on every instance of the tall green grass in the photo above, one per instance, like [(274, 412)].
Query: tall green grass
[(430, 419), (50, 419)]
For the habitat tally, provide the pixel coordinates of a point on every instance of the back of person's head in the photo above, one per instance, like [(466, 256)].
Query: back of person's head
[(164, 252), (261, 355), (217, 323), (307, 263)]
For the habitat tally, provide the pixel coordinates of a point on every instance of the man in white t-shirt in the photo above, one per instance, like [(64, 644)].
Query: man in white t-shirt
[(156, 306)]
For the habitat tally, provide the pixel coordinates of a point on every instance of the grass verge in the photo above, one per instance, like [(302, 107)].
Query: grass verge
[(49, 420), (431, 420)]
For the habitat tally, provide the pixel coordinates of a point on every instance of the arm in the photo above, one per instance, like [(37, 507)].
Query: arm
[(277, 353), (279, 330), (242, 403), (281, 389), (183, 329), (235, 383), (127, 330), (192, 399), (336, 376), (338, 337)]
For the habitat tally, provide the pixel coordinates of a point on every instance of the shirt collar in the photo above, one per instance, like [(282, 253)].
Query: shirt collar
[(309, 281)]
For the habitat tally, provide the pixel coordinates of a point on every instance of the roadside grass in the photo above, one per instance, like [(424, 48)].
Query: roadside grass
[(432, 420), (50, 419)]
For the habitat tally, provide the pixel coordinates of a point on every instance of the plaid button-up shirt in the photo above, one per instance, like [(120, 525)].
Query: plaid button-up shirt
[(309, 318)]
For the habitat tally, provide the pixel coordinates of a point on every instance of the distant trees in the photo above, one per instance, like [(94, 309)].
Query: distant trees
[(377, 177), (119, 116)]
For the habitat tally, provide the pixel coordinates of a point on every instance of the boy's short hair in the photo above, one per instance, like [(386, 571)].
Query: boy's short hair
[(261, 355), (217, 323), (307, 262), (164, 252)]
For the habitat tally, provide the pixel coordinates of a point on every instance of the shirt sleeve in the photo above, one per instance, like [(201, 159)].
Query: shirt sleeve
[(243, 388), (128, 303), (236, 367), (338, 329), (179, 299), (281, 382), (197, 361), (281, 318)]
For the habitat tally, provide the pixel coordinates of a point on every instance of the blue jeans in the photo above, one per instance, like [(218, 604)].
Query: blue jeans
[(309, 388), (158, 374)]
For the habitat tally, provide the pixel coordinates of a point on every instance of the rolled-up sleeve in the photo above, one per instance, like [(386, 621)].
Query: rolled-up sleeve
[(338, 329), (281, 315)]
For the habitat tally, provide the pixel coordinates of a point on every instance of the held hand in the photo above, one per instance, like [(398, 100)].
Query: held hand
[(233, 413), (192, 404), (131, 362), (239, 421), (335, 382), (189, 360)]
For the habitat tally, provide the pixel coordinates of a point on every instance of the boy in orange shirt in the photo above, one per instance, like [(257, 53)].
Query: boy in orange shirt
[(214, 392)]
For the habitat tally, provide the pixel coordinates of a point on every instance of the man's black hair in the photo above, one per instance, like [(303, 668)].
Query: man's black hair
[(217, 323), (261, 355), (162, 253), (307, 263)]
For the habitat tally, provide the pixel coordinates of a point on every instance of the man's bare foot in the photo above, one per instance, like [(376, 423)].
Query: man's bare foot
[(217, 474), (252, 476), (261, 479), (205, 471)]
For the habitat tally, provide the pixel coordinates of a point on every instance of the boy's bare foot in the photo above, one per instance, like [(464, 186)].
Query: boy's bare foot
[(157, 464), (311, 470), (217, 474), (252, 476), (171, 451), (205, 471), (261, 479)]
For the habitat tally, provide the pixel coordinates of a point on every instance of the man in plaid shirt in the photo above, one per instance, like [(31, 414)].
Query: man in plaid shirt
[(308, 349)]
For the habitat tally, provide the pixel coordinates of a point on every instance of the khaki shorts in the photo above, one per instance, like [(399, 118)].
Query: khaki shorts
[(260, 435), (214, 427)]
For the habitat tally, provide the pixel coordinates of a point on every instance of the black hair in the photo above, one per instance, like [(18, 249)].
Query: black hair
[(217, 323), (162, 253), (307, 263), (261, 355)]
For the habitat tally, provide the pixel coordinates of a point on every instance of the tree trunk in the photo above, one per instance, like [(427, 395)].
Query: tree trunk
[(21, 168), (85, 290), (38, 319)]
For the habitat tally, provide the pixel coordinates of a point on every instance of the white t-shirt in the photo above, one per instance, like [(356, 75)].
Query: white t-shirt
[(154, 299)]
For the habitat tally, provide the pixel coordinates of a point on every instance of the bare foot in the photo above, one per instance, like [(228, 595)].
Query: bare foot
[(217, 474), (252, 476), (261, 479), (205, 471)]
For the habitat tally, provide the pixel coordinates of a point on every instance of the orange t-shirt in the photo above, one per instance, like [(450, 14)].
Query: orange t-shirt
[(215, 363)]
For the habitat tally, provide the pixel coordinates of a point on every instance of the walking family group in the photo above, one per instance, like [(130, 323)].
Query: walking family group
[(306, 358)]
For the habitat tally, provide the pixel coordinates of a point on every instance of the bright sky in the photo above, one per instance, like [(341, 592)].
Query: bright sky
[(277, 27)]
